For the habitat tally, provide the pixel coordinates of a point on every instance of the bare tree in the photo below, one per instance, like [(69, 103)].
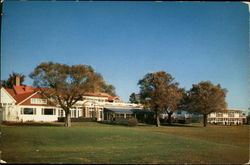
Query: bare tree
[(65, 85), (160, 93), (205, 98)]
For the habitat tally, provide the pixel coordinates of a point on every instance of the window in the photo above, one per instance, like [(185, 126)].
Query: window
[(48, 111), (219, 115), (120, 115), (38, 101), (28, 111), (60, 113), (80, 111), (128, 115), (231, 114), (73, 112)]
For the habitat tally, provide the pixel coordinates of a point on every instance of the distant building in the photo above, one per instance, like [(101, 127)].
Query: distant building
[(227, 117)]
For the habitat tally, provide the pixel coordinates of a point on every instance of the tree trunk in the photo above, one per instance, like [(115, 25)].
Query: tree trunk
[(158, 124), (204, 120), (67, 119), (170, 118)]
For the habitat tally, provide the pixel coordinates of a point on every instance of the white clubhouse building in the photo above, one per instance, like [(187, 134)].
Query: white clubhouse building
[(23, 103)]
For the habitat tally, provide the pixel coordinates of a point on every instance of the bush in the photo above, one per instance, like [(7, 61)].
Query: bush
[(128, 121), (80, 119), (194, 120)]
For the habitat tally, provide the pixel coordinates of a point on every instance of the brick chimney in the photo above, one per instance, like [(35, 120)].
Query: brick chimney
[(18, 80)]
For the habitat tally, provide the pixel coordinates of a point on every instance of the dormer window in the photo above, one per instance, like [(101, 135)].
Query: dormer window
[(38, 101)]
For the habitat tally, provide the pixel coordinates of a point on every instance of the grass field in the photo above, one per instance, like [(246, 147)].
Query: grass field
[(91, 142)]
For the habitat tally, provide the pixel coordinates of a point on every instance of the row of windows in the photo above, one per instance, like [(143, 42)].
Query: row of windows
[(92, 99), (4, 104), (224, 119), (32, 111), (38, 101), (221, 115)]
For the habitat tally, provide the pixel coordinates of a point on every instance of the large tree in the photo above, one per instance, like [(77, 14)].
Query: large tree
[(205, 98), (11, 81), (173, 100), (160, 93), (65, 85), (134, 98), (110, 89)]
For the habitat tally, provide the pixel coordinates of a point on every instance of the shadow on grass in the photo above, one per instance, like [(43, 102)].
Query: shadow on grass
[(43, 124), (151, 125), (116, 124), (145, 125), (178, 125)]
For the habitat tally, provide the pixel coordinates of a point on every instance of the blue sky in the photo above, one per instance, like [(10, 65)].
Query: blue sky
[(193, 41)]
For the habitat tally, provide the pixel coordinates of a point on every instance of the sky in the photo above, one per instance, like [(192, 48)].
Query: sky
[(123, 41)]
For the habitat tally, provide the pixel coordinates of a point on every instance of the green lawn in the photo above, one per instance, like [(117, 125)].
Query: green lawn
[(91, 142)]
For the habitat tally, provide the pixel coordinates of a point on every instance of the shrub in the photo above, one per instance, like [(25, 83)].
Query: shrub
[(128, 121), (80, 119), (132, 122), (194, 120)]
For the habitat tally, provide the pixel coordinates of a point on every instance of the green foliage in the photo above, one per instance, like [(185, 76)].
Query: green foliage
[(160, 93), (194, 120), (205, 98), (126, 121), (109, 89), (134, 98), (11, 81), (65, 85)]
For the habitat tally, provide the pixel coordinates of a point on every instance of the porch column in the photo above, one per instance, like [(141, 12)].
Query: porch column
[(124, 115), (87, 112), (102, 114), (97, 113)]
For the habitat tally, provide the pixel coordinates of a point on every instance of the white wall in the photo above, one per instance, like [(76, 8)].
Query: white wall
[(5, 97), (7, 104), (38, 116)]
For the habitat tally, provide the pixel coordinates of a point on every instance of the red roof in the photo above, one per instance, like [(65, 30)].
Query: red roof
[(97, 94), (22, 92), (232, 110), (23, 89), (100, 94), (21, 97)]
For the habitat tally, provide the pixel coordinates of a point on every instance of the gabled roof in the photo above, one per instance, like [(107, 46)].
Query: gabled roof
[(8, 93), (22, 97), (22, 93), (100, 94), (23, 89)]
